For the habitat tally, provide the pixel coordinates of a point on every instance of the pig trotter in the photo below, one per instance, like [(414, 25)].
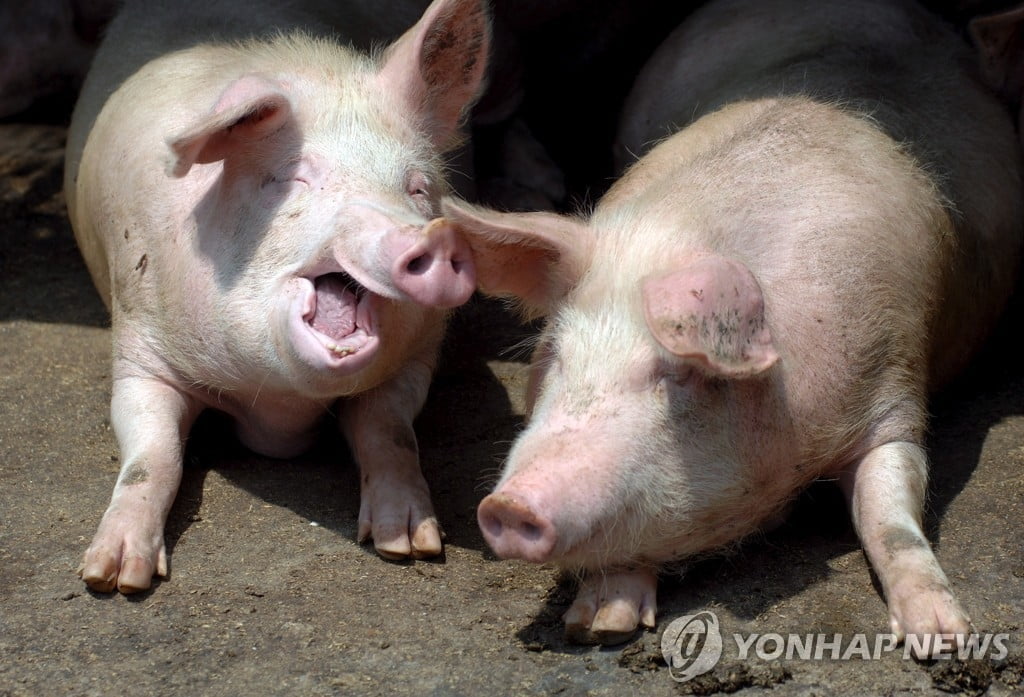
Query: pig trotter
[(609, 607), (396, 513), (149, 417), (921, 604), (886, 492), (125, 554), (395, 509)]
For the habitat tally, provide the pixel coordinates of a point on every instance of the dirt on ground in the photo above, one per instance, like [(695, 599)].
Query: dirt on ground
[(270, 594)]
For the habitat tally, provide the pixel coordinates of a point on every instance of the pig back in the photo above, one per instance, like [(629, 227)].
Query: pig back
[(893, 65)]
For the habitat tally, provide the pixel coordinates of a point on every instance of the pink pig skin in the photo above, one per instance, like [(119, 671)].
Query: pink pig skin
[(765, 298), (255, 211)]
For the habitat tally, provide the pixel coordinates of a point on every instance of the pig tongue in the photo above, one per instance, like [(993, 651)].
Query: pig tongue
[(335, 313)]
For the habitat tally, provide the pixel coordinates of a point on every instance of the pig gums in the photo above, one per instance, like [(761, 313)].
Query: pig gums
[(250, 185), (823, 226)]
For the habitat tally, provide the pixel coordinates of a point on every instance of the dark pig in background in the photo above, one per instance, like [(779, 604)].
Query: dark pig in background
[(999, 38), (45, 49), (824, 223), (252, 198)]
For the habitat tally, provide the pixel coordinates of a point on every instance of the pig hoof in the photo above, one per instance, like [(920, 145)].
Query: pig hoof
[(582, 634), (126, 563), (97, 577), (104, 573), (930, 621), (609, 608), (402, 532)]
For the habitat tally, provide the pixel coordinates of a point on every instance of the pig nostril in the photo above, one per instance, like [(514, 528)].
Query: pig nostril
[(492, 525), (418, 265), (530, 532)]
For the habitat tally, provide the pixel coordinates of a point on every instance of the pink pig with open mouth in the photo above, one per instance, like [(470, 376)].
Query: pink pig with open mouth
[(255, 212)]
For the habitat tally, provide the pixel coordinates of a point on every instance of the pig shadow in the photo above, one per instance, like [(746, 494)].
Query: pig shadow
[(316, 485), (42, 275), (765, 569), (463, 432)]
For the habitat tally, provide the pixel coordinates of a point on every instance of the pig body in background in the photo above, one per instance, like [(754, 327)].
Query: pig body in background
[(251, 197), (45, 47), (999, 39), (765, 298)]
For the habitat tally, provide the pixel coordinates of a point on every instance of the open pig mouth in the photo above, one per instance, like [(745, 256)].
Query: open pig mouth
[(337, 313)]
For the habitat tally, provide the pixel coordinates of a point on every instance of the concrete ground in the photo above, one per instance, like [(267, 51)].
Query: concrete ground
[(270, 594)]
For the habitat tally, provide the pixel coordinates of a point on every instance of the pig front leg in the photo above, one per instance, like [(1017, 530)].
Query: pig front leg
[(395, 508), (886, 491), (150, 420), (609, 606)]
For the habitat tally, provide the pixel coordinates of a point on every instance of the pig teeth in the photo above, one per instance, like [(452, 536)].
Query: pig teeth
[(341, 350)]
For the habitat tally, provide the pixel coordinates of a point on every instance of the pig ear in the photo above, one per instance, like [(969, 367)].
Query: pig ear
[(535, 257), (438, 66), (711, 312), (250, 109), (999, 39)]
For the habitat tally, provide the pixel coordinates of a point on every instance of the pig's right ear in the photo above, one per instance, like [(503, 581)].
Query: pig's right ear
[(710, 312), (438, 66), (534, 257), (250, 109)]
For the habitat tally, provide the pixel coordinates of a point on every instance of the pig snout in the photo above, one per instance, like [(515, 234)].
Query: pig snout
[(437, 268), (515, 527), (555, 501)]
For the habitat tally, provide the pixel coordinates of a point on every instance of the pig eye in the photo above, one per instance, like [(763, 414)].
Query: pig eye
[(280, 181), (418, 188), (275, 188)]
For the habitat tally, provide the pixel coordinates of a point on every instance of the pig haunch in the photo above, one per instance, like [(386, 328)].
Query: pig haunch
[(807, 245), (278, 185)]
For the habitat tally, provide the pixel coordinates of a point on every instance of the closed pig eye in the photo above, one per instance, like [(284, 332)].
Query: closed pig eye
[(419, 190), (285, 177), (297, 168), (277, 185)]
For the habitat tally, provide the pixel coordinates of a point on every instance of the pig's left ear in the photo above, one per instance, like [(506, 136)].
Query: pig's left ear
[(711, 312), (533, 257), (249, 110), (438, 66), (999, 40)]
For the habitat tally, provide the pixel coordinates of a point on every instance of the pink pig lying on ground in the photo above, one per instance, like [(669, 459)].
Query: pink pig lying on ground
[(255, 213), (764, 299)]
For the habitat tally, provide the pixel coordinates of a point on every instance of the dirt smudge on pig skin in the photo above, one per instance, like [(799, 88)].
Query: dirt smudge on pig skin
[(137, 473)]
